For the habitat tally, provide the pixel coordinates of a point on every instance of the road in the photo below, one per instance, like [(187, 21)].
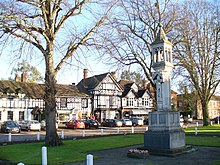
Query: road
[(77, 133), (70, 133)]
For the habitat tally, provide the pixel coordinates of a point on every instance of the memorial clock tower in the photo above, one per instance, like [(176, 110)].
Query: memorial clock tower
[(164, 131)]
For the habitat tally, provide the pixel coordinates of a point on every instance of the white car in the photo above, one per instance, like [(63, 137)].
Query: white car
[(43, 125), (137, 121), (30, 125), (126, 122)]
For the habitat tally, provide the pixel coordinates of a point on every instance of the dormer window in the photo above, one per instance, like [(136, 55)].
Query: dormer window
[(5, 91)]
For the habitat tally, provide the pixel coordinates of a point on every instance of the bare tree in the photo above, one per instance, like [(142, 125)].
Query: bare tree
[(197, 49), (55, 28), (132, 29)]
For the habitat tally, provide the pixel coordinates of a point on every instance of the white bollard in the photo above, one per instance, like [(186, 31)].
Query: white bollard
[(62, 134), (146, 128), (132, 129), (84, 133), (44, 155), (20, 163), (101, 131), (9, 137), (89, 159), (210, 122), (118, 130), (196, 130), (197, 124), (38, 136)]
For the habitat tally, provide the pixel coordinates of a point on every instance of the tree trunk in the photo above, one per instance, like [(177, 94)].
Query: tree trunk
[(52, 138), (205, 112)]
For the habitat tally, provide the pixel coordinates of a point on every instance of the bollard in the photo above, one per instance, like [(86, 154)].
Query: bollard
[(38, 136), (62, 134), (196, 130), (84, 133), (197, 124), (9, 137), (44, 155), (132, 129), (146, 128), (117, 130), (210, 122), (101, 131), (20, 163), (89, 159)]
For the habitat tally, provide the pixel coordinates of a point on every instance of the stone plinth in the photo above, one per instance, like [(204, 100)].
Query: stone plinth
[(164, 131)]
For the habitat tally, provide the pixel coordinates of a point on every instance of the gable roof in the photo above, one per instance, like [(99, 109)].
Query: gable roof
[(88, 84), (36, 91), (127, 84)]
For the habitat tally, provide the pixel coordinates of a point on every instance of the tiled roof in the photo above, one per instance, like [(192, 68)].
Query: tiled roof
[(126, 85), (85, 85), (34, 90), (217, 98)]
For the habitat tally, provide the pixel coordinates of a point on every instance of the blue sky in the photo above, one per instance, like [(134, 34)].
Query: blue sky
[(67, 75)]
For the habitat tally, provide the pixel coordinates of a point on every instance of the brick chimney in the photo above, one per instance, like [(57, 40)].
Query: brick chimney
[(144, 84), (114, 75), (24, 77), (17, 78), (85, 73)]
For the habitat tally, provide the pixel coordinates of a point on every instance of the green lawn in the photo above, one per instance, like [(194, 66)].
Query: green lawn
[(71, 151), (214, 129), (76, 150)]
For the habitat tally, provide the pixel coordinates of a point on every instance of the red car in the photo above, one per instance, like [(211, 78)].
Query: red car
[(75, 124)]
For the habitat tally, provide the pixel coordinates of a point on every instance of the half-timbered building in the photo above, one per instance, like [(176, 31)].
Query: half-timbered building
[(105, 95), (136, 101), (25, 101)]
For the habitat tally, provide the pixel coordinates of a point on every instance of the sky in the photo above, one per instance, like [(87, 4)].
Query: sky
[(67, 75)]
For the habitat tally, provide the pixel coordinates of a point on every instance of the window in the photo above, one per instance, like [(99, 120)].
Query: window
[(130, 101), (10, 115), (63, 102), (84, 103), (145, 102), (21, 115), (112, 100), (101, 100)]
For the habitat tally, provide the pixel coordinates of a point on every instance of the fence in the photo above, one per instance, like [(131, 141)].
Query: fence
[(70, 134)]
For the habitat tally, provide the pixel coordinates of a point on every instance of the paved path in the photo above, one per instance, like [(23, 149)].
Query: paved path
[(203, 156)]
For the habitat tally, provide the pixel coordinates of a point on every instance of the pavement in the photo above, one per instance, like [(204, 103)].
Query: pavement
[(200, 156)]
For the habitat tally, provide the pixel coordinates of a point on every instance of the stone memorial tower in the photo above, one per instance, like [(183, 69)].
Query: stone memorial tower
[(164, 131)]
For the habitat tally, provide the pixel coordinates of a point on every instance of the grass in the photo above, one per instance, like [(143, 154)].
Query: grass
[(71, 151), (76, 150), (214, 129)]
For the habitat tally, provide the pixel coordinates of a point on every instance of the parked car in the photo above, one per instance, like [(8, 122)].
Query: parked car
[(90, 123), (10, 127), (112, 123), (30, 125), (43, 125), (126, 122), (216, 119), (75, 124), (137, 121)]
